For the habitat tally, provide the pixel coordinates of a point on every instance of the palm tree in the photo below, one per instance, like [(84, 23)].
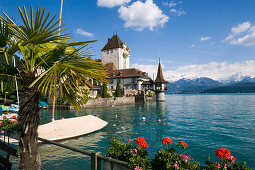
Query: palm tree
[(48, 63)]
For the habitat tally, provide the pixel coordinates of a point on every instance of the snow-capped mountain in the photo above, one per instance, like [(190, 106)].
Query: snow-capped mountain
[(237, 77), (175, 77), (196, 85), (192, 85), (234, 78)]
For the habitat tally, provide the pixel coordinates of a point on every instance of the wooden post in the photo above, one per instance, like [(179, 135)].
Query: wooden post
[(98, 161), (93, 161), (112, 165)]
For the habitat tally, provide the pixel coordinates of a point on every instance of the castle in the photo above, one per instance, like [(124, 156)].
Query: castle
[(116, 52), (115, 55)]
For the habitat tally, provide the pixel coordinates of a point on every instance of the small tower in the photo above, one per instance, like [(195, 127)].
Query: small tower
[(116, 52), (160, 85)]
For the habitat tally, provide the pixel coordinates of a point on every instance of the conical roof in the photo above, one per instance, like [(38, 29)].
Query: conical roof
[(160, 77), (114, 42)]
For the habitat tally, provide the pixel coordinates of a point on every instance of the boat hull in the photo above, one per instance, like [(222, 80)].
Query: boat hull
[(70, 128)]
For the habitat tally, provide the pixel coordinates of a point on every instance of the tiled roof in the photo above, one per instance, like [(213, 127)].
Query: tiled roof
[(110, 67), (160, 77), (147, 83), (114, 42), (124, 73)]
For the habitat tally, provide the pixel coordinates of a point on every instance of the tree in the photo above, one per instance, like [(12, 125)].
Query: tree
[(118, 91), (47, 63), (104, 95)]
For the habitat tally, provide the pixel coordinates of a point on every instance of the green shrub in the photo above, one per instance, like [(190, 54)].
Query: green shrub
[(118, 91), (135, 156), (119, 150), (149, 94), (9, 124), (108, 95), (104, 95)]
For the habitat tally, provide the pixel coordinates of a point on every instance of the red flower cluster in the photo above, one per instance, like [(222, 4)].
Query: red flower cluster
[(223, 153), (183, 144), (141, 142), (4, 117), (14, 117), (166, 140), (233, 158)]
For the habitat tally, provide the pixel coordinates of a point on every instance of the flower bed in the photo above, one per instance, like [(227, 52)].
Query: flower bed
[(9, 124), (170, 158)]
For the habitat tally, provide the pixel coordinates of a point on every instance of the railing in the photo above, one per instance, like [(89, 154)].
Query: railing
[(96, 158)]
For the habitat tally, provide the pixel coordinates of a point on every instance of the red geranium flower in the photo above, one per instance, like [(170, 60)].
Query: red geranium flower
[(14, 117), (183, 144), (141, 142), (233, 158), (223, 153), (166, 140), (4, 117)]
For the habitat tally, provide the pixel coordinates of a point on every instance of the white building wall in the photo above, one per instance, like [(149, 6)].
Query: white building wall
[(111, 56), (127, 61), (139, 85), (120, 58), (116, 56)]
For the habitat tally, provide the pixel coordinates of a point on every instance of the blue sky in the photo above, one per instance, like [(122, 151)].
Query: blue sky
[(193, 38)]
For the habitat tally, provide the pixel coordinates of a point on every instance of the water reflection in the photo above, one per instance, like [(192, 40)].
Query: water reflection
[(63, 158)]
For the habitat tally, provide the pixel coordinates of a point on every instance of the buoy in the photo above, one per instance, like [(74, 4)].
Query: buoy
[(143, 118)]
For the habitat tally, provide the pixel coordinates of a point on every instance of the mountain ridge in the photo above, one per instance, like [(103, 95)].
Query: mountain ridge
[(202, 84)]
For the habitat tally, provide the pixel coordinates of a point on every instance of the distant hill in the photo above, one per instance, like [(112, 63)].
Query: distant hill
[(238, 83), (246, 87), (248, 79), (192, 86)]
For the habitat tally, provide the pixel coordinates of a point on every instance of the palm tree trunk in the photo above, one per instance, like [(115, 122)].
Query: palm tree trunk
[(29, 120)]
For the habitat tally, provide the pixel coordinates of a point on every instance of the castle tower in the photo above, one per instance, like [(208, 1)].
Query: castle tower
[(116, 52), (160, 85)]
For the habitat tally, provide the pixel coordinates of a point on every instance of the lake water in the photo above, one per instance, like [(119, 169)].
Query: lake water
[(204, 122)]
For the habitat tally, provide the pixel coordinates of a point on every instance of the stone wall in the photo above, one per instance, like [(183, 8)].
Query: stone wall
[(111, 56), (160, 96), (103, 102)]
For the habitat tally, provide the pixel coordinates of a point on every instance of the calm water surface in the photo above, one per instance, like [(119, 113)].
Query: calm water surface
[(205, 122)]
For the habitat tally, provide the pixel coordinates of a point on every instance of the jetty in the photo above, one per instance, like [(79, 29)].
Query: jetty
[(70, 128)]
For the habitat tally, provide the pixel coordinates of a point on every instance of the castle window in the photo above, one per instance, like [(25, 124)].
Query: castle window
[(107, 51)]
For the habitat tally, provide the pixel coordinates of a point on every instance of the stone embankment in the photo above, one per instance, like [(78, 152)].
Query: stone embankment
[(104, 102)]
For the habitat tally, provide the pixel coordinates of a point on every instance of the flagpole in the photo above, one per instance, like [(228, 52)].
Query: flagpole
[(54, 98), (16, 83)]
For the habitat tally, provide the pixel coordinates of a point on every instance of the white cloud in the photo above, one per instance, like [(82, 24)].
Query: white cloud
[(170, 4), (84, 33), (173, 10), (241, 28), (242, 34), (247, 40), (141, 15), (150, 69), (219, 71), (111, 3), (181, 12), (178, 12), (192, 45), (214, 70), (205, 38)]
